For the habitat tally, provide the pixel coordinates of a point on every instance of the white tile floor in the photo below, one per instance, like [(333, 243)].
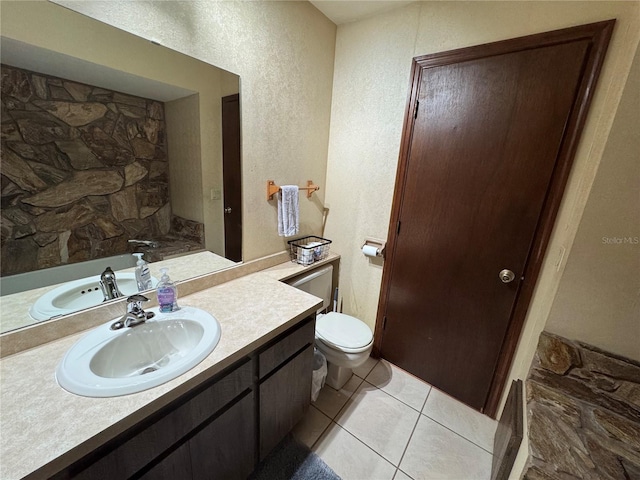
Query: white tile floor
[(386, 424)]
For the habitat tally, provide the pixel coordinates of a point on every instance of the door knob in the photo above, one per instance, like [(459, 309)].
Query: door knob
[(506, 276), (227, 209)]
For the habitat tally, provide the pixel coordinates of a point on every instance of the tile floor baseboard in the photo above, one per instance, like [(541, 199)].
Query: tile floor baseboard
[(387, 424)]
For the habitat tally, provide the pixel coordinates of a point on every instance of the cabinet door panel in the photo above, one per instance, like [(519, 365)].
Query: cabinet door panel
[(176, 465), (225, 448), (284, 398)]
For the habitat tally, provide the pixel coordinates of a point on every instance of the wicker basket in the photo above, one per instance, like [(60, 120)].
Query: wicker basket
[(307, 250)]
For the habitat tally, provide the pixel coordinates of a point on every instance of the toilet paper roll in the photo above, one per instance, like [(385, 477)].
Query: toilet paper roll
[(305, 256), (370, 250)]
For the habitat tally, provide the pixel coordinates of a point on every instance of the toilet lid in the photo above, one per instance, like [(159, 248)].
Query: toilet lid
[(343, 331)]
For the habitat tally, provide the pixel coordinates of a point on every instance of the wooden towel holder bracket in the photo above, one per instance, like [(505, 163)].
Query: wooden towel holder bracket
[(272, 189)]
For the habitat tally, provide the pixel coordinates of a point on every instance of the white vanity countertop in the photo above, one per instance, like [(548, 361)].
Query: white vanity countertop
[(45, 426)]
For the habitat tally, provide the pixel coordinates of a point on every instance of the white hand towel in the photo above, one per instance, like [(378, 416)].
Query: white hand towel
[(288, 211)]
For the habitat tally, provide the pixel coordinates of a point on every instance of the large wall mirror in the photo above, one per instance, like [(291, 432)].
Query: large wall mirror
[(129, 147)]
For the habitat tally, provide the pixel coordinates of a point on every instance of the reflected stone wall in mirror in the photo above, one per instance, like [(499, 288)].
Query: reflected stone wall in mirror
[(95, 155), (84, 170)]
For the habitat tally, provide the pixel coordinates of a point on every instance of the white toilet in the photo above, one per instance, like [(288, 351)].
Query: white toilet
[(344, 340)]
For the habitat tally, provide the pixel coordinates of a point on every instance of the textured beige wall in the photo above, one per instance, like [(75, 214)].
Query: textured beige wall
[(283, 53), (598, 300), (183, 148), (211, 141), (373, 62)]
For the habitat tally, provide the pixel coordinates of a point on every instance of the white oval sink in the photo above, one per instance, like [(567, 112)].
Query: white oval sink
[(78, 295), (109, 363)]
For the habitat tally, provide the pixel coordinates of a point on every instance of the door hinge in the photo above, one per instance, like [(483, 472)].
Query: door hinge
[(384, 322), (398, 228), (415, 111)]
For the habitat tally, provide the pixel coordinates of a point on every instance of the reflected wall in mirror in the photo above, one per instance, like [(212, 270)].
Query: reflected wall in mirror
[(98, 151)]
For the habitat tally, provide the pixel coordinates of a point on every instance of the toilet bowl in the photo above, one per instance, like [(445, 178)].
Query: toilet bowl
[(344, 340)]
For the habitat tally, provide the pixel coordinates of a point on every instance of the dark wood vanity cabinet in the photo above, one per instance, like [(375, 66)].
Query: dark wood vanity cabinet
[(220, 429)]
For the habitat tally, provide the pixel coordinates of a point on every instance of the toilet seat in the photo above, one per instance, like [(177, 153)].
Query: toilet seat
[(343, 332)]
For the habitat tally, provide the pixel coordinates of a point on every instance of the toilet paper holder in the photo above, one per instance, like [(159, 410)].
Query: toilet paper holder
[(376, 243)]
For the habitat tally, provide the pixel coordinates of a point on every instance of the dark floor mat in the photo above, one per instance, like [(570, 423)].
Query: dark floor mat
[(291, 460)]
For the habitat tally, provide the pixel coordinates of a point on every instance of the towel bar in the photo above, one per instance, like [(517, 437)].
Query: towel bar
[(272, 189)]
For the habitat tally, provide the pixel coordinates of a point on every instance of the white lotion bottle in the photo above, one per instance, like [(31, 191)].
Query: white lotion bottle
[(167, 293), (143, 274)]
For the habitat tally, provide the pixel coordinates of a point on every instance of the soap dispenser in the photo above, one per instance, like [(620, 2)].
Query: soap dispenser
[(143, 274), (167, 293)]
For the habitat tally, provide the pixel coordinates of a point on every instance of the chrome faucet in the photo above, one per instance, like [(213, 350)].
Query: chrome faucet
[(109, 285), (148, 243), (135, 314)]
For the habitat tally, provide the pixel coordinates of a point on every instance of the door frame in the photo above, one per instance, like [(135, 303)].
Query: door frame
[(598, 35)]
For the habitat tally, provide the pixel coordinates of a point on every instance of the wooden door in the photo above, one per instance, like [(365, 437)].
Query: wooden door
[(488, 140), (232, 175)]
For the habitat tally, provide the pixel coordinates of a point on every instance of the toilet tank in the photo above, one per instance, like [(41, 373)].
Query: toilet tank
[(317, 283)]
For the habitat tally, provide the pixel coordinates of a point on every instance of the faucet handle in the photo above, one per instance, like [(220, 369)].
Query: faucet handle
[(137, 298), (135, 314), (134, 303)]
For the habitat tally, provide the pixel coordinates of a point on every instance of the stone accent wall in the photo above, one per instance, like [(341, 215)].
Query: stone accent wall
[(187, 229), (583, 413), (84, 169)]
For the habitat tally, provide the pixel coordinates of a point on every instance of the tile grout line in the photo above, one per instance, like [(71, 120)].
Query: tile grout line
[(455, 400), (413, 378), (362, 380), (407, 446), (338, 391), (349, 398), (459, 434), (322, 432), (419, 412), (404, 473), (369, 372), (401, 401), (427, 398), (360, 441), (412, 432)]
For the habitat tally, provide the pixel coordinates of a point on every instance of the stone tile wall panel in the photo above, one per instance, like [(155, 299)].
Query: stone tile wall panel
[(583, 413)]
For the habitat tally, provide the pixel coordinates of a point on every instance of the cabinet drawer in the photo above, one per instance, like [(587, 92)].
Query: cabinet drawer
[(285, 347), (134, 454)]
